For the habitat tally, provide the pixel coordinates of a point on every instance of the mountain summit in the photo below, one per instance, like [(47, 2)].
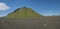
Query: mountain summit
[(22, 13)]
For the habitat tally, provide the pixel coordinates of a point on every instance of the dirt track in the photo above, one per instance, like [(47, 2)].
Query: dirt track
[(30, 23)]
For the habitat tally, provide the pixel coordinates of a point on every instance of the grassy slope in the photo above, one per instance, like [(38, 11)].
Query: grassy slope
[(24, 12)]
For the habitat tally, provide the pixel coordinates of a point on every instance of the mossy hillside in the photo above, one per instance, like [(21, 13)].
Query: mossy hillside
[(23, 12)]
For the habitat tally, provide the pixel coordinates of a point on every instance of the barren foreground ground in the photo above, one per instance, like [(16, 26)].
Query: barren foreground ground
[(31, 23)]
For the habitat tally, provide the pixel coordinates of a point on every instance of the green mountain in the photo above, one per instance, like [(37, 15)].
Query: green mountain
[(23, 13)]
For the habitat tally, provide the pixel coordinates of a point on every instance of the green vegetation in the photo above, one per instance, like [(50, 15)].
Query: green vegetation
[(22, 13)]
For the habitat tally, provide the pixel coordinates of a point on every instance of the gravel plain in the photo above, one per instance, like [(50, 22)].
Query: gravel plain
[(49, 22)]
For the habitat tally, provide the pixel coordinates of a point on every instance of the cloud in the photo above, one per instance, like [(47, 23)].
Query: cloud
[(4, 6)]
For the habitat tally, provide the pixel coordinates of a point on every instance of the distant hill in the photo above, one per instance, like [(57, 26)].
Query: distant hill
[(22, 13)]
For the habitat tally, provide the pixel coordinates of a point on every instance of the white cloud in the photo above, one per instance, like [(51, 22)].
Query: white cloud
[(4, 6)]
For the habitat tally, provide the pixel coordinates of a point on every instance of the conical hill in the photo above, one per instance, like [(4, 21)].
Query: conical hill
[(22, 13)]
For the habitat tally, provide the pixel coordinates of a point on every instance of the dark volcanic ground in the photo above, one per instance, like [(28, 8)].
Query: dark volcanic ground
[(31, 23)]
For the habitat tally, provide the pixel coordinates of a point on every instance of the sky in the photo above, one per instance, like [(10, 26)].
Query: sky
[(44, 7)]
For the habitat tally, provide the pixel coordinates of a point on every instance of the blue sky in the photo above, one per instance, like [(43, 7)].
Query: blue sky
[(44, 7)]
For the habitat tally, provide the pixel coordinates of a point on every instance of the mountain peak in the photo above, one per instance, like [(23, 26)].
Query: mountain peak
[(20, 9)]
